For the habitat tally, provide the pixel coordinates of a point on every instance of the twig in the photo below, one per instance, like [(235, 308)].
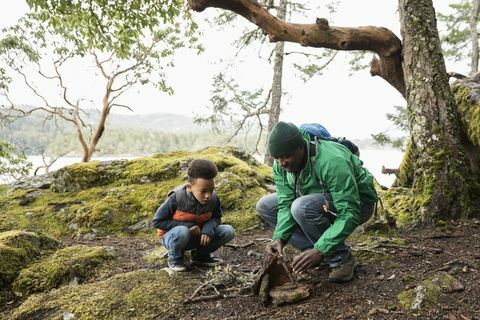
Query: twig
[(253, 228), (196, 292), (259, 315), (214, 296), (238, 246)]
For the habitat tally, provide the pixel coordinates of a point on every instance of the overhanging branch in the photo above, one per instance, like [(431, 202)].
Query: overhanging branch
[(379, 40)]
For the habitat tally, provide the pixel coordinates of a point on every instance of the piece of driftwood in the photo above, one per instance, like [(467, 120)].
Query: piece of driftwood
[(276, 284)]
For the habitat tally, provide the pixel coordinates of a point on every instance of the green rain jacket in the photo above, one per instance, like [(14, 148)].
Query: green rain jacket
[(338, 172)]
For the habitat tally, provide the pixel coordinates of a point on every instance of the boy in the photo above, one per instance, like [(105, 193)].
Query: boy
[(190, 219)]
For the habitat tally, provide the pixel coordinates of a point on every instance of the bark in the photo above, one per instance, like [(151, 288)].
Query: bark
[(441, 171), (103, 119), (474, 36), (275, 108), (379, 40)]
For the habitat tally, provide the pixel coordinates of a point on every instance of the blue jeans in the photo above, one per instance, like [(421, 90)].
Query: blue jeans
[(312, 221), (178, 240)]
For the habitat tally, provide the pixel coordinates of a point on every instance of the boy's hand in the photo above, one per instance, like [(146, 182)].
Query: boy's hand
[(205, 240), (195, 231)]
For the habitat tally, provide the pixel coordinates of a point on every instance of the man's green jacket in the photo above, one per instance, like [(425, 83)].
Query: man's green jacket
[(338, 172)]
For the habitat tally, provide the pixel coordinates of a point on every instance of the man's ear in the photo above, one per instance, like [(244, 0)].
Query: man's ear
[(189, 186)]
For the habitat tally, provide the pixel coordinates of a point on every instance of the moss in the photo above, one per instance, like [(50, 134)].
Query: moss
[(433, 286), (110, 197), (399, 204), (142, 294), (156, 256), (470, 113), (406, 298), (17, 249), (75, 262), (405, 175)]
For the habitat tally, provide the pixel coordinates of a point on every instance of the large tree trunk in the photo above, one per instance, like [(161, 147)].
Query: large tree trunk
[(275, 107), (442, 182)]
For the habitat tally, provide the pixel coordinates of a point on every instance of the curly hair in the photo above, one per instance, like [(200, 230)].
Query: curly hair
[(201, 168)]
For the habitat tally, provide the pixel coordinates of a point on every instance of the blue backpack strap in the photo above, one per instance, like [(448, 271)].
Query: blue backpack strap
[(313, 158)]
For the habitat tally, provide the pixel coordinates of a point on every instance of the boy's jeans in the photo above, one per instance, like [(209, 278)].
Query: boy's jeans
[(178, 240), (312, 220)]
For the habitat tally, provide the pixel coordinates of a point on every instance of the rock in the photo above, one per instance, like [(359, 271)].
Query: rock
[(420, 295), (75, 262), (156, 256), (143, 225), (141, 294), (68, 316), (17, 249), (34, 182)]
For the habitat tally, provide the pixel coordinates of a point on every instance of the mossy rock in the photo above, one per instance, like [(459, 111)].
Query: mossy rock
[(77, 263), (116, 197), (428, 292), (157, 256), (141, 294), (17, 249)]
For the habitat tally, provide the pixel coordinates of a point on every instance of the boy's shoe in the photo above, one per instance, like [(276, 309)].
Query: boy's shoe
[(177, 265), (343, 272), (206, 261)]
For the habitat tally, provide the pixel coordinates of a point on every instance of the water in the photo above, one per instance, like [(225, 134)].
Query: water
[(373, 160)]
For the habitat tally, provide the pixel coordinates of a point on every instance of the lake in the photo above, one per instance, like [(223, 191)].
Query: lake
[(373, 160)]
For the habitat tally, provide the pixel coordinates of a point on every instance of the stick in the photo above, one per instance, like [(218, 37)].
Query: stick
[(289, 274), (237, 246), (213, 296)]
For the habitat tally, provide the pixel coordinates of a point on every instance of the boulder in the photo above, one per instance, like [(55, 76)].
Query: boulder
[(76, 263)]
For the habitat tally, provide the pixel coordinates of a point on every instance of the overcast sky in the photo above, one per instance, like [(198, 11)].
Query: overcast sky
[(352, 106)]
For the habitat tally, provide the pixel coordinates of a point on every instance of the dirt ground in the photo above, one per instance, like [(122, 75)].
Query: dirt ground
[(387, 267)]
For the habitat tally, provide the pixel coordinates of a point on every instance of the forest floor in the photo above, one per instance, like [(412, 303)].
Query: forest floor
[(388, 266)]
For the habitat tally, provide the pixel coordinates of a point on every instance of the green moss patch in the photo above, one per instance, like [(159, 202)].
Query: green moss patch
[(17, 249), (399, 204), (77, 263), (428, 292), (142, 294), (116, 196)]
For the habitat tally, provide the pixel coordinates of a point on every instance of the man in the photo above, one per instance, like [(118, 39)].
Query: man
[(323, 194)]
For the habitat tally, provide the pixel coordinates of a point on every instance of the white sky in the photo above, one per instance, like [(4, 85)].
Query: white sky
[(352, 106)]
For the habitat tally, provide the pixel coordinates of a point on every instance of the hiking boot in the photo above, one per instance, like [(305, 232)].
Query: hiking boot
[(176, 265), (206, 261), (343, 272)]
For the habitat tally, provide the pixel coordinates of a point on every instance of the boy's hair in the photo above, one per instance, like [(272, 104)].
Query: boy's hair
[(201, 168)]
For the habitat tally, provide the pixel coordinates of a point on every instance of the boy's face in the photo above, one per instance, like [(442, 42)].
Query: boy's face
[(202, 189)]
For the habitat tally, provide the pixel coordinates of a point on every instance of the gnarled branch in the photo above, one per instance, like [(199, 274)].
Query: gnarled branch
[(379, 40)]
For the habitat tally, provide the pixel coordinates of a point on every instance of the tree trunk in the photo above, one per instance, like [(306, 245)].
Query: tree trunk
[(275, 108), (442, 182), (474, 36), (101, 122)]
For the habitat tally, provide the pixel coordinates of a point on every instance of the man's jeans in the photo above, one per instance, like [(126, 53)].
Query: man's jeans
[(312, 221), (178, 240)]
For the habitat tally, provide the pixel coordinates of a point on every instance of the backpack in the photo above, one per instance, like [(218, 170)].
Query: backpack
[(317, 131)]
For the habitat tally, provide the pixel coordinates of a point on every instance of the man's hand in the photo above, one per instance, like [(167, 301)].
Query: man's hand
[(306, 260), (195, 230), (205, 240), (275, 247)]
